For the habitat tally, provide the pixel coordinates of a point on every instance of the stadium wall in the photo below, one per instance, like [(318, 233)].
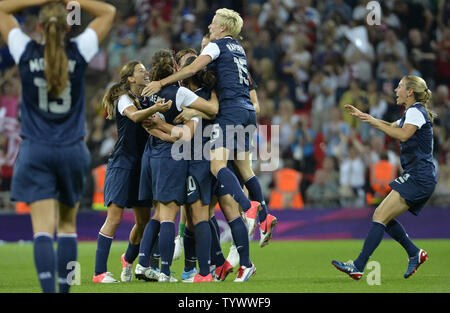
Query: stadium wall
[(293, 225)]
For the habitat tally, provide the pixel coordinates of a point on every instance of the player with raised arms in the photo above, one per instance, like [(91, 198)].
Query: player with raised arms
[(123, 103), (410, 191), (226, 57), (167, 175), (53, 161)]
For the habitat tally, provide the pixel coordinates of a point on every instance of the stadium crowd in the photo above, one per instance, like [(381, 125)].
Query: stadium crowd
[(308, 58)]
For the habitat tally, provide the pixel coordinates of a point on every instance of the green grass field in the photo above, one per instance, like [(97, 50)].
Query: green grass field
[(282, 267)]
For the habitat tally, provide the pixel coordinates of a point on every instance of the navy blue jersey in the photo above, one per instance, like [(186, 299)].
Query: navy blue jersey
[(416, 154), (54, 120), (232, 76), (131, 141), (196, 149), (179, 96)]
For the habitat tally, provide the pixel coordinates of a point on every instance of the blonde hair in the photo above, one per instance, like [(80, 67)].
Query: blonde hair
[(119, 89), (53, 18), (231, 20), (421, 92)]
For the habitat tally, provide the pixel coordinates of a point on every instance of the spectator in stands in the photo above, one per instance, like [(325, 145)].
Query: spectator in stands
[(443, 58), (422, 55), (357, 97), (191, 36), (333, 132), (390, 46), (303, 146), (323, 192), (352, 179), (287, 121), (340, 7)]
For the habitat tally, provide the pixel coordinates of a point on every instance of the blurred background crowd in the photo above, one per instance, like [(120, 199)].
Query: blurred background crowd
[(308, 58)]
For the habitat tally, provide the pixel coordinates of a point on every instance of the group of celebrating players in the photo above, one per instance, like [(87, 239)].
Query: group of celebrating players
[(157, 116)]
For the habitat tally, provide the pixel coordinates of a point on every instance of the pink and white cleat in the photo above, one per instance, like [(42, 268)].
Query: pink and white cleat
[(127, 270), (267, 228), (251, 216), (104, 278)]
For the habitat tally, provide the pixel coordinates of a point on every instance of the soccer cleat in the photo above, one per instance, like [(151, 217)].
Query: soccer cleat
[(233, 256), (163, 278), (348, 268), (245, 273), (415, 261), (178, 248), (146, 273), (104, 278), (267, 228), (223, 271), (127, 270), (203, 279), (251, 215), (188, 277)]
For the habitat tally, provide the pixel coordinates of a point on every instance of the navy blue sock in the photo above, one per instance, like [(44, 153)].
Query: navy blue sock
[(148, 241), (132, 252), (395, 229), (226, 177), (66, 253), (255, 193), (217, 257), (240, 237), (102, 253), (203, 246), (154, 255), (44, 260), (372, 241), (190, 257), (166, 245)]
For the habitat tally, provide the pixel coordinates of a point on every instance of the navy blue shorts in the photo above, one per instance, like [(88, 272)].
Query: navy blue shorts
[(416, 192), (233, 129), (169, 180), (122, 188), (50, 172), (199, 182), (145, 185)]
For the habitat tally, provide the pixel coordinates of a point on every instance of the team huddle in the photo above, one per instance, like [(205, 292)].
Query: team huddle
[(211, 94), (158, 165)]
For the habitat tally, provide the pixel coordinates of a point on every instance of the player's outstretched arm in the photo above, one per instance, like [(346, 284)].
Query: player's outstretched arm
[(186, 72), (8, 8)]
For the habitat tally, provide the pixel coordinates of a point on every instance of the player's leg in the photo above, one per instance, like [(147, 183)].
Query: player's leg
[(391, 207), (141, 217), (147, 246), (226, 177), (267, 221), (239, 232), (67, 251), (202, 232), (168, 212), (190, 255), (43, 220), (104, 240), (179, 244)]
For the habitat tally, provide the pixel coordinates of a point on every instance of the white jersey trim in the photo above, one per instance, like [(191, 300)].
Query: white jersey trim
[(414, 117), (87, 43), (17, 42), (124, 102), (185, 97), (211, 49)]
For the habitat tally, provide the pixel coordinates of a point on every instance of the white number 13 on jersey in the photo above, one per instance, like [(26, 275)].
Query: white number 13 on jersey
[(63, 103)]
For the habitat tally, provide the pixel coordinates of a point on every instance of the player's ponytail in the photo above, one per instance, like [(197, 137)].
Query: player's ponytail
[(53, 18), (421, 93), (118, 89), (163, 64)]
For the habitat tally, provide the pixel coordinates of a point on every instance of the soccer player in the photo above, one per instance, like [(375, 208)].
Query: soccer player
[(124, 104), (51, 168), (411, 190), (226, 57), (168, 175)]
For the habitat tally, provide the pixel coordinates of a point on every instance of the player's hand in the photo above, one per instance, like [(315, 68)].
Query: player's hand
[(353, 111), (152, 88), (163, 106), (185, 115)]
